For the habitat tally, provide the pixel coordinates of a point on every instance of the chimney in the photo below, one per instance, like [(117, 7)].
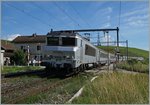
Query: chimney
[(34, 34), (51, 30)]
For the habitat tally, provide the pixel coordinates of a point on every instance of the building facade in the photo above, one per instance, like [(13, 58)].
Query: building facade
[(32, 45), (2, 58), (8, 49)]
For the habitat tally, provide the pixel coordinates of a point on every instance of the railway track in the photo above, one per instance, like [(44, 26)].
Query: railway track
[(27, 72), (17, 93), (35, 90), (16, 87)]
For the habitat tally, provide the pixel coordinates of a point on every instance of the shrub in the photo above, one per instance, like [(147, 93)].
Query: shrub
[(134, 65), (132, 61), (19, 57)]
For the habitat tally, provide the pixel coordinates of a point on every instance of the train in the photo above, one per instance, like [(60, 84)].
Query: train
[(69, 52)]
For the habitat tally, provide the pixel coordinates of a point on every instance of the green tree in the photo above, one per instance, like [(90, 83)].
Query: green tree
[(19, 57)]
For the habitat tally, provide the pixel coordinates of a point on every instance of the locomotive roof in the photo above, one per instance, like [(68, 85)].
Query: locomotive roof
[(57, 33), (66, 33)]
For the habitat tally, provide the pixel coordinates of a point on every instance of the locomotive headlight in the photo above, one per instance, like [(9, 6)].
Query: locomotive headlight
[(68, 57), (72, 57)]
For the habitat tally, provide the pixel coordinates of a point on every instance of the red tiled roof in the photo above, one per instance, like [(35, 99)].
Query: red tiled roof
[(30, 39), (6, 45)]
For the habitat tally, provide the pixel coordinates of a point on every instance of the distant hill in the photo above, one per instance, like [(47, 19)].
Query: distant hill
[(131, 51), (5, 41)]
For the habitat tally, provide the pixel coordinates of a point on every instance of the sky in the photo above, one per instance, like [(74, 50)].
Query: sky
[(26, 18)]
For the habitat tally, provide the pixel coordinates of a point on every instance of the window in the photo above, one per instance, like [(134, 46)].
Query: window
[(89, 50), (41, 57), (52, 41), (38, 48), (81, 43), (22, 47), (67, 41), (35, 57)]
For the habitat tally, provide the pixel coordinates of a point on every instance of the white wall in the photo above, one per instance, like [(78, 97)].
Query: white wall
[(32, 48), (2, 58)]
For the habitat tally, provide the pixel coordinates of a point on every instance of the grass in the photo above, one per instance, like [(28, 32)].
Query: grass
[(133, 65), (10, 69), (134, 52), (116, 88), (60, 94)]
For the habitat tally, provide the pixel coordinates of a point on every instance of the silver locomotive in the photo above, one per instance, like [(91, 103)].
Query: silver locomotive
[(70, 52)]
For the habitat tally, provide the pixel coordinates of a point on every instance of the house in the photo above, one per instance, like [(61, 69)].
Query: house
[(8, 49), (33, 45), (2, 58)]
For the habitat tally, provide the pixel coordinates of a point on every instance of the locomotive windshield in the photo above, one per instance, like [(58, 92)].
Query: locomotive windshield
[(67, 41), (53, 41), (62, 41)]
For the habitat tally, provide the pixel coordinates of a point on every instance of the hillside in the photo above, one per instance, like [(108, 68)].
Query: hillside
[(131, 51), (116, 88), (5, 41)]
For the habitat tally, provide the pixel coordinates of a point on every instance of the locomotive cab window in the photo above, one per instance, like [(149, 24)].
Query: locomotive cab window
[(67, 41), (90, 50), (52, 41), (38, 48)]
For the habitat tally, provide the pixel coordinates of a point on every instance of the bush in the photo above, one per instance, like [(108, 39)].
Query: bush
[(19, 57), (134, 65), (132, 61)]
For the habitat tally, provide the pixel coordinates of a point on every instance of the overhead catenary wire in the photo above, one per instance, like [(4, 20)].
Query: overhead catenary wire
[(119, 18), (28, 25), (61, 9), (119, 14), (80, 15), (46, 11), (38, 19)]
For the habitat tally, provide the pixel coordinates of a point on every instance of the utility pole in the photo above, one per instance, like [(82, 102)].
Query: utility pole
[(108, 47), (127, 48), (28, 55), (117, 44), (98, 41)]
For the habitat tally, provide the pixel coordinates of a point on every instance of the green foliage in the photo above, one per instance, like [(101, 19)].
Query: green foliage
[(19, 57), (61, 93), (10, 69), (132, 61), (134, 65), (134, 52), (116, 88)]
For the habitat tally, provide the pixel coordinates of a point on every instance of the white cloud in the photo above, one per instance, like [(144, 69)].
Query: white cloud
[(140, 17), (137, 21), (105, 25), (13, 36), (135, 12), (109, 9), (102, 12), (108, 18)]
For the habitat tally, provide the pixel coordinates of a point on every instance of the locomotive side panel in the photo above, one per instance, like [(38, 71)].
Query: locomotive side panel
[(89, 52)]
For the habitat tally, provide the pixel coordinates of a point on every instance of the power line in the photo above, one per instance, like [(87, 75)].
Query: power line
[(27, 25), (47, 12), (34, 4), (120, 6), (28, 14), (66, 14), (119, 14), (80, 16)]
